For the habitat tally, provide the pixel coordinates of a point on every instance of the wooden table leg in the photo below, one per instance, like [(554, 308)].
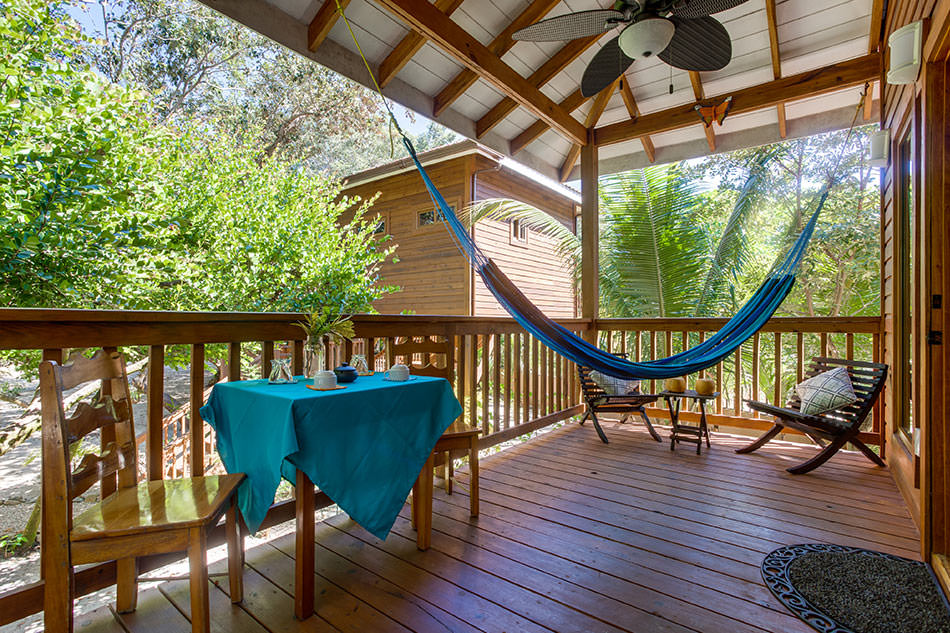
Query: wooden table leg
[(423, 505), (703, 423), (305, 548), (674, 420)]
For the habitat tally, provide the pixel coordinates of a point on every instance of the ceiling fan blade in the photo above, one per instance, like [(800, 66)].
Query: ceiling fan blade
[(700, 8), (609, 63), (699, 44), (570, 26)]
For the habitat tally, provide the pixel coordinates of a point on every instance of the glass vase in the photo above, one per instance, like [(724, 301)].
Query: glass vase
[(315, 356)]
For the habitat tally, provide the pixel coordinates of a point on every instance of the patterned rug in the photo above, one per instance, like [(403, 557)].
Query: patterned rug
[(838, 589)]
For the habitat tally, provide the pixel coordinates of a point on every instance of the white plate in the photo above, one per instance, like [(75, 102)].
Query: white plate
[(406, 380)]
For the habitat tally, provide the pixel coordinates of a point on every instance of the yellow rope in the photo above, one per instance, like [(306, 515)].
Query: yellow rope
[(392, 117)]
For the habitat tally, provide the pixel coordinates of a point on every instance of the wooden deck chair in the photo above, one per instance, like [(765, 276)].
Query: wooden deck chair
[(131, 518), (598, 401), (435, 356), (839, 426)]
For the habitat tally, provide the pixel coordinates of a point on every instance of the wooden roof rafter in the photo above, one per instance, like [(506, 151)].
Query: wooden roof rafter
[(854, 72), (634, 111), (700, 95), (502, 43), (433, 24), (323, 21), (555, 64), (776, 61), (570, 103), (409, 46), (593, 116)]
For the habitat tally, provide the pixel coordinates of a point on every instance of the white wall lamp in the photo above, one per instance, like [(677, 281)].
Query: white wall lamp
[(904, 44), (880, 143)]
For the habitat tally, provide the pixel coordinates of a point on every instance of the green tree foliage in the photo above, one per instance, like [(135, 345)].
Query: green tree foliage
[(102, 208)]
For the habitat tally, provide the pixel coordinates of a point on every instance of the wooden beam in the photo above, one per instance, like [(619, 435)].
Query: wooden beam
[(441, 30), (322, 22), (634, 112), (590, 237), (699, 94), (593, 115), (877, 18), (869, 102), (570, 103), (555, 64), (814, 82), (776, 61), (409, 46), (499, 46)]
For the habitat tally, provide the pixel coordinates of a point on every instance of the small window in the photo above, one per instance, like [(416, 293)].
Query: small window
[(427, 217), (519, 232), (380, 228)]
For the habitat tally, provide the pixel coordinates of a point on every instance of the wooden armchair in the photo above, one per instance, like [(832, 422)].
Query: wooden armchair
[(434, 356), (598, 401), (839, 426), (131, 519)]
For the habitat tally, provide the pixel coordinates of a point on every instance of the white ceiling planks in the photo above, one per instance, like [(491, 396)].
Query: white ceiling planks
[(811, 35)]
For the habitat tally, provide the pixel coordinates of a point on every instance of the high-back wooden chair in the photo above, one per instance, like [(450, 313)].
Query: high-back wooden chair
[(839, 426), (132, 518), (435, 356)]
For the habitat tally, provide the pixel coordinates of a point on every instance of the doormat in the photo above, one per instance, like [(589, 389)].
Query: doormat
[(839, 589)]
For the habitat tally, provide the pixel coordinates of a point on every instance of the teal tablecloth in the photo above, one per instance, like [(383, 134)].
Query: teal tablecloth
[(363, 446)]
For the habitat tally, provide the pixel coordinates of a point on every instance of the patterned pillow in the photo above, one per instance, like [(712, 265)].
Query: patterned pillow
[(615, 386), (827, 391)]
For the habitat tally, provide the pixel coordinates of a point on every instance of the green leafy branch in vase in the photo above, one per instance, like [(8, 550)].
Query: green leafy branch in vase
[(327, 321)]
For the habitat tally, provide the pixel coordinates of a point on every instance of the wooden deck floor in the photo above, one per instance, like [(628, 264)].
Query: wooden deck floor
[(574, 536)]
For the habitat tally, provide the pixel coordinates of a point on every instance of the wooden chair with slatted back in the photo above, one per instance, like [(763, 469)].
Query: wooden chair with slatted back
[(435, 356), (839, 426), (132, 518)]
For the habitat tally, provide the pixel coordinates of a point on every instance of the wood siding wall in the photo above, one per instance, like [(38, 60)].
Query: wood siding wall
[(533, 266), (433, 275), (922, 107)]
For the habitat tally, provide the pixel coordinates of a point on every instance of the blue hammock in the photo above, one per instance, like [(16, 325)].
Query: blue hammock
[(748, 320)]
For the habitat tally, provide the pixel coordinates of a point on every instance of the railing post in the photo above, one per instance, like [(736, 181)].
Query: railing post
[(197, 456), (155, 412)]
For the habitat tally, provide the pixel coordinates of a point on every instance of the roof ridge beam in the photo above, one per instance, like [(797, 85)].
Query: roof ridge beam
[(502, 43), (854, 72), (409, 46), (440, 29)]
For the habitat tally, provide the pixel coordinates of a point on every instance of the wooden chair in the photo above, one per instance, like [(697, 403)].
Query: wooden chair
[(434, 356), (839, 426), (598, 401), (131, 519)]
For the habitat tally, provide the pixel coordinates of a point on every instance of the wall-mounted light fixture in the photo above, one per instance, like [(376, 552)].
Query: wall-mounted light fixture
[(880, 143), (904, 44)]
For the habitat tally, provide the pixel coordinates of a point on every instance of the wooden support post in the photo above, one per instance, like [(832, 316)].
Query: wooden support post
[(590, 232)]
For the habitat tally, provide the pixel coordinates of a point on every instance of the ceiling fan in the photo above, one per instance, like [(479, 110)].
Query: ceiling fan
[(680, 32)]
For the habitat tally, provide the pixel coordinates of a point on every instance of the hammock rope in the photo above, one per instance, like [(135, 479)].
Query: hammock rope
[(748, 320)]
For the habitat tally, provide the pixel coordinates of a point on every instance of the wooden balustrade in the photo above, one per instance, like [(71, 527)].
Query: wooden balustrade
[(508, 383)]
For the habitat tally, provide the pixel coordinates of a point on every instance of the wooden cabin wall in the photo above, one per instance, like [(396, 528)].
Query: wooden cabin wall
[(923, 107), (435, 278), (533, 266)]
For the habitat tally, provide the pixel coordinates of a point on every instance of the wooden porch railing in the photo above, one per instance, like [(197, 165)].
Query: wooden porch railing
[(508, 383)]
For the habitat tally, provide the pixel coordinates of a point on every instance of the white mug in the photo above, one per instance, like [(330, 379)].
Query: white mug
[(324, 379), (398, 373)]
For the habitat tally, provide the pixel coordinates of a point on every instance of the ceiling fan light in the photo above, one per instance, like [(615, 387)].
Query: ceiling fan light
[(646, 37)]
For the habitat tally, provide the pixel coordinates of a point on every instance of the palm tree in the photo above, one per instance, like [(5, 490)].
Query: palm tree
[(656, 259)]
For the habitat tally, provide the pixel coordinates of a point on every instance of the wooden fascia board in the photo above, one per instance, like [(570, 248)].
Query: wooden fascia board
[(323, 21), (423, 17), (811, 83), (409, 46), (555, 64), (499, 46)]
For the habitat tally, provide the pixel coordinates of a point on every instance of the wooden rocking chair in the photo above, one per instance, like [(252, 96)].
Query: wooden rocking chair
[(598, 401), (839, 426)]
